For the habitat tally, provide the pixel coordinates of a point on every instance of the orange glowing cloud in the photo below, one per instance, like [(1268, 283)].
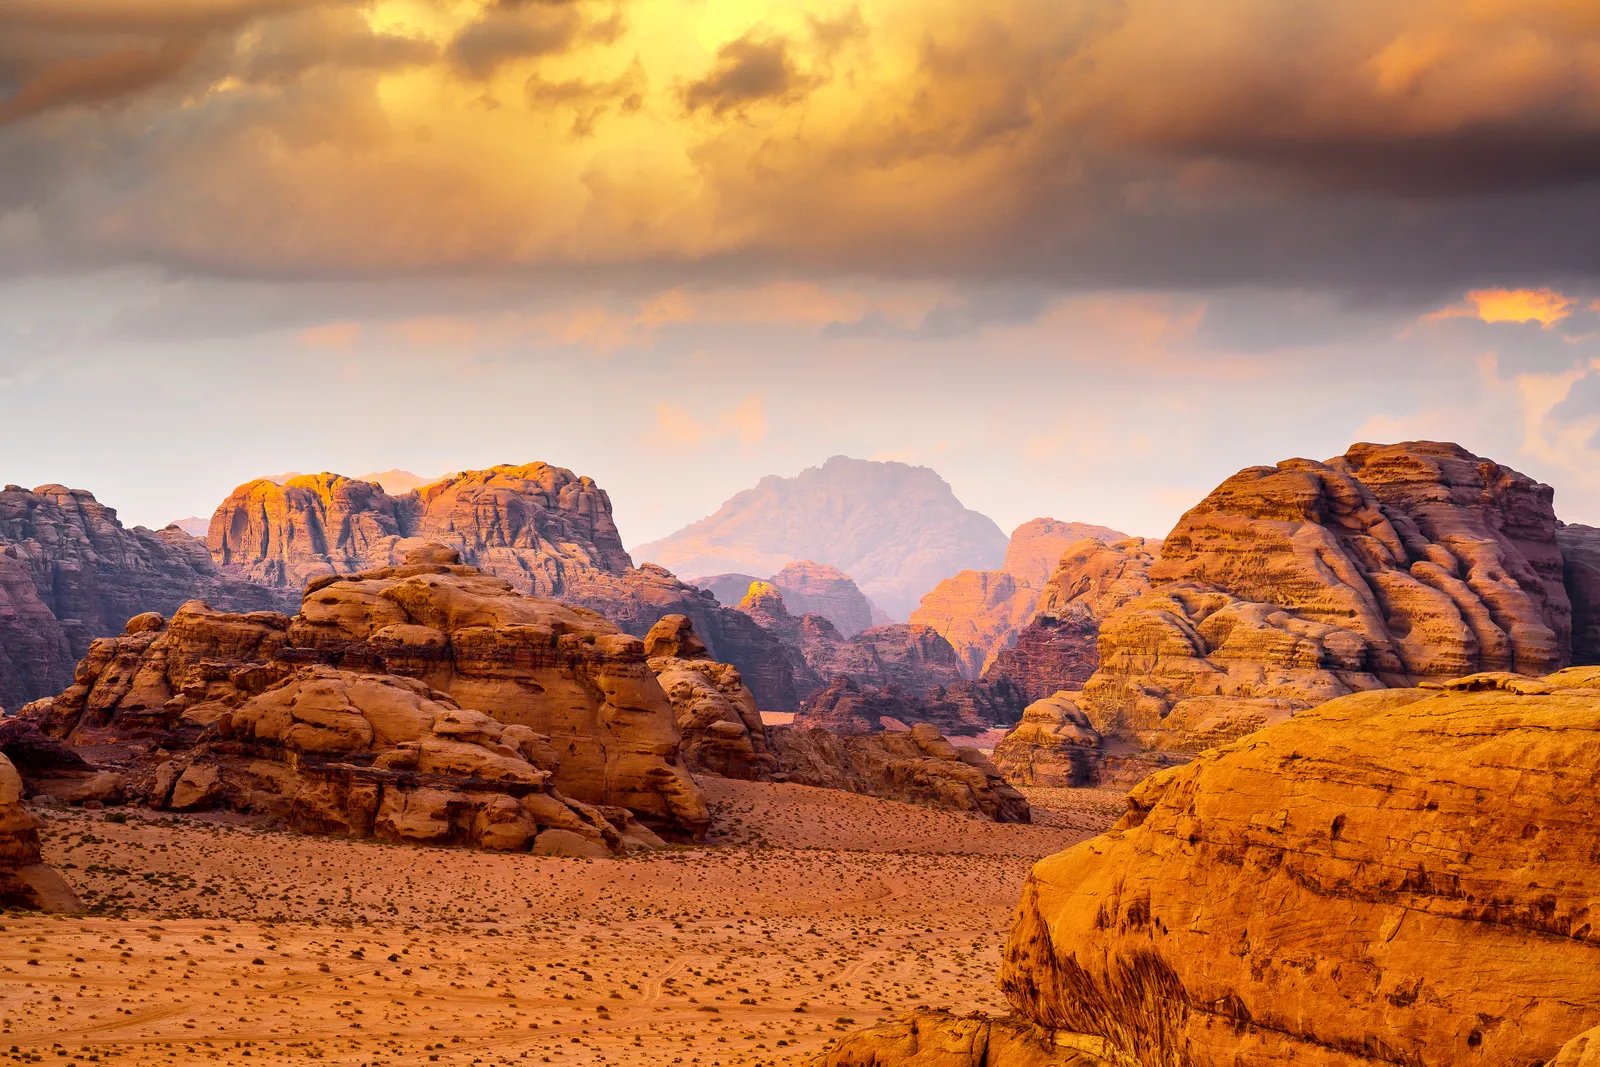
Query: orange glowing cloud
[(877, 136), (1544, 306)]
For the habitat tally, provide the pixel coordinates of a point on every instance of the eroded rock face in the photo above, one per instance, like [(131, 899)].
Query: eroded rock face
[(1058, 648), (981, 612), (541, 667), (1053, 746), (1295, 584), (25, 880), (1398, 876), (71, 572), (961, 708), (543, 529), (913, 658), (896, 530), (919, 766), (722, 730)]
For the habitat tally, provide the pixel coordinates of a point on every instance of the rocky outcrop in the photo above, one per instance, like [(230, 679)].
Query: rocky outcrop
[(960, 708), (1295, 584), (543, 529), (71, 572), (897, 530), (722, 730), (981, 612), (1058, 648), (1399, 876), (910, 657), (537, 667), (25, 880), (807, 589), (1053, 746), (918, 766)]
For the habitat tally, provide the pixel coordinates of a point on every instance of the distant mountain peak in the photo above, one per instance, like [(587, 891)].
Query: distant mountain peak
[(896, 529)]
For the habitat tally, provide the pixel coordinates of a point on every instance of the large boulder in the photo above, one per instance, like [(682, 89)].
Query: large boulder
[(1398, 876), (1054, 746), (563, 674), (981, 612), (25, 880), (717, 716), (919, 766), (71, 572), (543, 529)]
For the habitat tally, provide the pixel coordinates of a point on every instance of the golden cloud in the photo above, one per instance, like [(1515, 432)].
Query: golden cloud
[(303, 136), (1544, 306)]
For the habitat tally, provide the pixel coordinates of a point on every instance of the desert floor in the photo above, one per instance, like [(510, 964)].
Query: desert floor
[(810, 912)]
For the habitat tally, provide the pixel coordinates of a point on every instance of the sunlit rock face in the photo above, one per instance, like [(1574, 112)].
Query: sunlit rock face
[(71, 572), (981, 612), (1295, 584), (541, 528)]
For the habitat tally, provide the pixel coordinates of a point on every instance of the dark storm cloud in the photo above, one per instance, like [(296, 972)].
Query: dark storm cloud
[(748, 70)]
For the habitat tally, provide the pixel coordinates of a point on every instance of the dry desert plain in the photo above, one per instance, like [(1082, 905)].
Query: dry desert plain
[(809, 912)]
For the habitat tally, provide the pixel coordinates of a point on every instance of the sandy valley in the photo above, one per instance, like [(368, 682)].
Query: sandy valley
[(810, 913)]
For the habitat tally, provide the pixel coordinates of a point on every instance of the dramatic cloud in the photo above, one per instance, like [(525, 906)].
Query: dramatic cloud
[(1364, 145)]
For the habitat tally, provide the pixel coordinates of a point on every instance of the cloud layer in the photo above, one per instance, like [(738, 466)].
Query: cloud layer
[(1440, 144)]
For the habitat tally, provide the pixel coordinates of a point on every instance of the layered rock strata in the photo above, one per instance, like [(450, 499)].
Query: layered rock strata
[(981, 612), (606, 733), (1400, 876), (1054, 746), (963, 708), (1295, 584), (543, 529), (717, 717), (1058, 648), (1271, 901), (918, 766), (71, 572)]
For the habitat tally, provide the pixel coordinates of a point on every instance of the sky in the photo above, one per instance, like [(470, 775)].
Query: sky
[(1085, 259)]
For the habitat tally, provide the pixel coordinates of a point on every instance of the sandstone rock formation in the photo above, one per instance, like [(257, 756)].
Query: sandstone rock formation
[(543, 529), (807, 589), (918, 766), (1291, 585), (1401, 876), (1058, 648), (1053, 746), (960, 708), (71, 572), (897, 530), (911, 657), (981, 612), (717, 716), (25, 880), (576, 692)]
